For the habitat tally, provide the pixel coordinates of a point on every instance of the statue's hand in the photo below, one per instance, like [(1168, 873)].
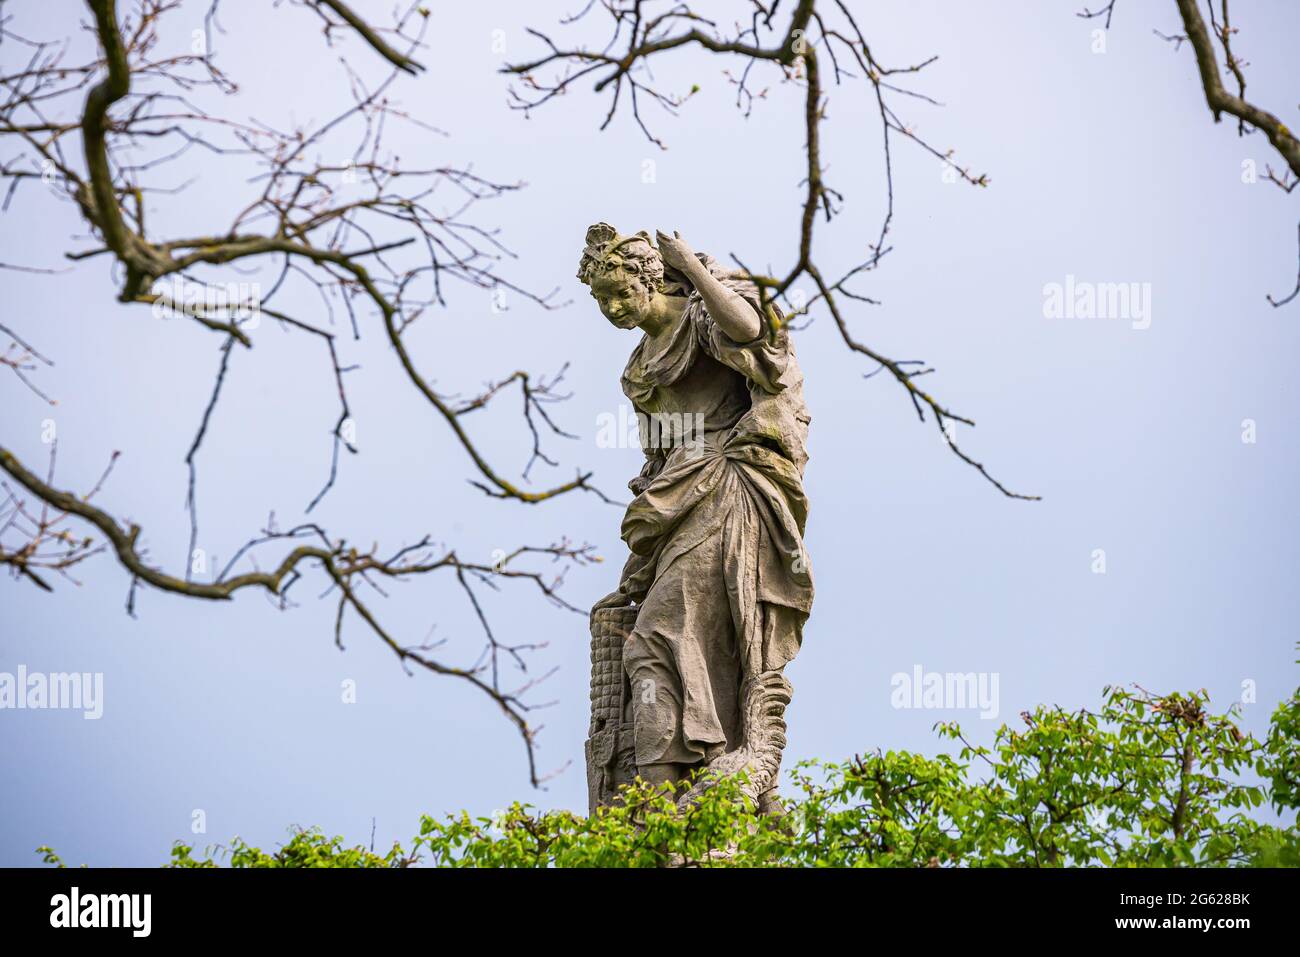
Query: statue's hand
[(676, 252), (615, 599)]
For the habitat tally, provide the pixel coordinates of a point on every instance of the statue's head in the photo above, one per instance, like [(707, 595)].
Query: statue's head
[(625, 273)]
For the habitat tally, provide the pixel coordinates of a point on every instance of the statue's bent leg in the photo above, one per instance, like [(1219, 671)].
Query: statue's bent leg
[(655, 692), (764, 695), (682, 669)]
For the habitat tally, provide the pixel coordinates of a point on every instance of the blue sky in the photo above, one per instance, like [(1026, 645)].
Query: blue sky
[(1104, 166)]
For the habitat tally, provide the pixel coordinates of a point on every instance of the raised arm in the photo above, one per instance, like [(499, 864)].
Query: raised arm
[(729, 310)]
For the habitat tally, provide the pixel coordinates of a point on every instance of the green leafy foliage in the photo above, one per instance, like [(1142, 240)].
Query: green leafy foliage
[(1146, 781)]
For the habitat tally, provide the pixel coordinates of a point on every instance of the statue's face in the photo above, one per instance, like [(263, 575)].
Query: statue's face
[(623, 300)]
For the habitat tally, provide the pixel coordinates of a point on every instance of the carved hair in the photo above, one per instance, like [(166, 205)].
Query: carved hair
[(635, 256)]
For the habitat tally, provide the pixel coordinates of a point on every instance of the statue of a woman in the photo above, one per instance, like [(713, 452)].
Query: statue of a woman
[(715, 593)]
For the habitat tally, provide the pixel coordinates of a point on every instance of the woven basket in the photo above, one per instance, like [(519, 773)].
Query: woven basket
[(609, 744)]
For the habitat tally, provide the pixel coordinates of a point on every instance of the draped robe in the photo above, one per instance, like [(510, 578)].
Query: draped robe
[(718, 567)]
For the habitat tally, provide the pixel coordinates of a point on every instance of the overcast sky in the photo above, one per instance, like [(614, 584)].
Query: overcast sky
[(1105, 167)]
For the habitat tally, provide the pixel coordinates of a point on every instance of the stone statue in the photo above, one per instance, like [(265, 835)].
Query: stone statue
[(688, 652)]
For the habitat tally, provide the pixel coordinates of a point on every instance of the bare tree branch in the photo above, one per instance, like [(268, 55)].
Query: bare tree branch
[(1217, 96), (343, 565), (372, 236), (1249, 116), (796, 55)]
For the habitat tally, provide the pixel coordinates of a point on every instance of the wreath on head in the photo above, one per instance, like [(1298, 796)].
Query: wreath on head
[(607, 252)]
